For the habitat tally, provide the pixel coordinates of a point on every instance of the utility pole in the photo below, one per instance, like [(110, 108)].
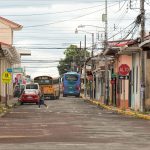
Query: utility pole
[(143, 53), (92, 66), (80, 59), (85, 67), (105, 19)]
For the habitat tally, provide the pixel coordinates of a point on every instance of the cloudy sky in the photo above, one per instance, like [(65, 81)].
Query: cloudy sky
[(49, 26)]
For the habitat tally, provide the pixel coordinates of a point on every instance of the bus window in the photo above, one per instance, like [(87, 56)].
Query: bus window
[(71, 77)]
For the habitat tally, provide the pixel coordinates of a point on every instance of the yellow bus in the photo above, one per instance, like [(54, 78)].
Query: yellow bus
[(49, 86)]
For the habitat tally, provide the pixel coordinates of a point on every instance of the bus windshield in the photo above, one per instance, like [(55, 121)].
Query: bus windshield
[(31, 86), (71, 77), (43, 81)]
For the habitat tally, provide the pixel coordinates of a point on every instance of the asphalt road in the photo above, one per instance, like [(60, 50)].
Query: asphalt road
[(71, 124)]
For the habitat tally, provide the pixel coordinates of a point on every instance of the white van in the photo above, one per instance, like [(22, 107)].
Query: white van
[(32, 87)]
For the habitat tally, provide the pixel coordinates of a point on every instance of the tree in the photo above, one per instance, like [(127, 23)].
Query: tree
[(74, 57)]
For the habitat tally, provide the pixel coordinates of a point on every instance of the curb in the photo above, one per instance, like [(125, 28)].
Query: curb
[(120, 111), (6, 110)]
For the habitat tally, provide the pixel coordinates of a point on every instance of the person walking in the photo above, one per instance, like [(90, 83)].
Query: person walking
[(41, 101)]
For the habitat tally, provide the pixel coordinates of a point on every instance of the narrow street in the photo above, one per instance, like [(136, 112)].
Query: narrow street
[(71, 124)]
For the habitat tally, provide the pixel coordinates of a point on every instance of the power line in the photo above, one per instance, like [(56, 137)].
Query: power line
[(121, 30), (56, 12), (66, 19), (60, 20)]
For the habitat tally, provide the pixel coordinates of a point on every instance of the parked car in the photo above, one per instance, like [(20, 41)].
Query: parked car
[(31, 94)]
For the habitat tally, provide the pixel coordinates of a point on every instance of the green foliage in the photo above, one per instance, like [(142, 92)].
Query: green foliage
[(73, 54)]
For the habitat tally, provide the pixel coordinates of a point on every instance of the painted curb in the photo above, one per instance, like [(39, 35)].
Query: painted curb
[(119, 111)]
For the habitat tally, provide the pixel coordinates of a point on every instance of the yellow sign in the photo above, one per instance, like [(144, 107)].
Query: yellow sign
[(6, 77)]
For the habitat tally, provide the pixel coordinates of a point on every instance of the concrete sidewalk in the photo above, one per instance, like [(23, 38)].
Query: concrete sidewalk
[(11, 103), (120, 111)]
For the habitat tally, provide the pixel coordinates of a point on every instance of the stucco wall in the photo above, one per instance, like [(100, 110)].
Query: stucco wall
[(5, 34), (147, 102), (123, 97)]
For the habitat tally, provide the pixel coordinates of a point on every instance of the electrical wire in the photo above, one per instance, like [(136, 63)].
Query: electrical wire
[(121, 30), (54, 12), (66, 19)]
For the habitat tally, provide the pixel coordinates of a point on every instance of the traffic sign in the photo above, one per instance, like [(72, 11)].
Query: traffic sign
[(124, 69), (9, 70), (6, 77), (124, 77)]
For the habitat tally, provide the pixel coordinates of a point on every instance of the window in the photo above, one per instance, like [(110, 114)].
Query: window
[(31, 86), (71, 77)]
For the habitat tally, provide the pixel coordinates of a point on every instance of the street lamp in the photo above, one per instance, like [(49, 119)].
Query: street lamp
[(85, 90), (82, 26), (76, 31)]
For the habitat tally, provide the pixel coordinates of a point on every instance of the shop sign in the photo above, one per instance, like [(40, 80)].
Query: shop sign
[(18, 70)]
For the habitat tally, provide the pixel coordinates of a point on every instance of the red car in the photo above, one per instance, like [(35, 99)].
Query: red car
[(29, 97)]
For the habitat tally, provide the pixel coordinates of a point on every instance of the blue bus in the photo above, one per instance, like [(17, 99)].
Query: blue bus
[(71, 84)]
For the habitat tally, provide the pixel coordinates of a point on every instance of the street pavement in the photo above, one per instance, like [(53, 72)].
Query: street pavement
[(71, 124)]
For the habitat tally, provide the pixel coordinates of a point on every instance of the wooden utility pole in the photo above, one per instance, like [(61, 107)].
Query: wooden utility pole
[(143, 53), (106, 61), (85, 89)]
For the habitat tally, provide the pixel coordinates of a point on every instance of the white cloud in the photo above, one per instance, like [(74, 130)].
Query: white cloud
[(56, 35)]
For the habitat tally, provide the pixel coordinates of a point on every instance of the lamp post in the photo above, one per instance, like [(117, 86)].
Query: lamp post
[(76, 31), (87, 25), (85, 90)]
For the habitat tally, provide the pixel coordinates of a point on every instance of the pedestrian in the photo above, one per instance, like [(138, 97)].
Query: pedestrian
[(41, 101)]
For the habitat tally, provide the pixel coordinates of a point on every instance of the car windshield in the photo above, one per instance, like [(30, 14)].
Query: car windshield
[(32, 86), (71, 77)]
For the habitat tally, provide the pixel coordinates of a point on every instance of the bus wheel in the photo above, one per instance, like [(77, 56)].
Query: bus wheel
[(78, 95)]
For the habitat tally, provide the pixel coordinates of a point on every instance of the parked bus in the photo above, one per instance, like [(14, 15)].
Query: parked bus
[(48, 86), (71, 84)]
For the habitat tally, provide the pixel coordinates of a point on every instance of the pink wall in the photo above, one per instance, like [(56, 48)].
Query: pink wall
[(122, 99)]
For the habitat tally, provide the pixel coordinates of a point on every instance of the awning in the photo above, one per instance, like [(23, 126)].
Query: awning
[(129, 50), (111, 51), (145, 44), (10, 53)]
